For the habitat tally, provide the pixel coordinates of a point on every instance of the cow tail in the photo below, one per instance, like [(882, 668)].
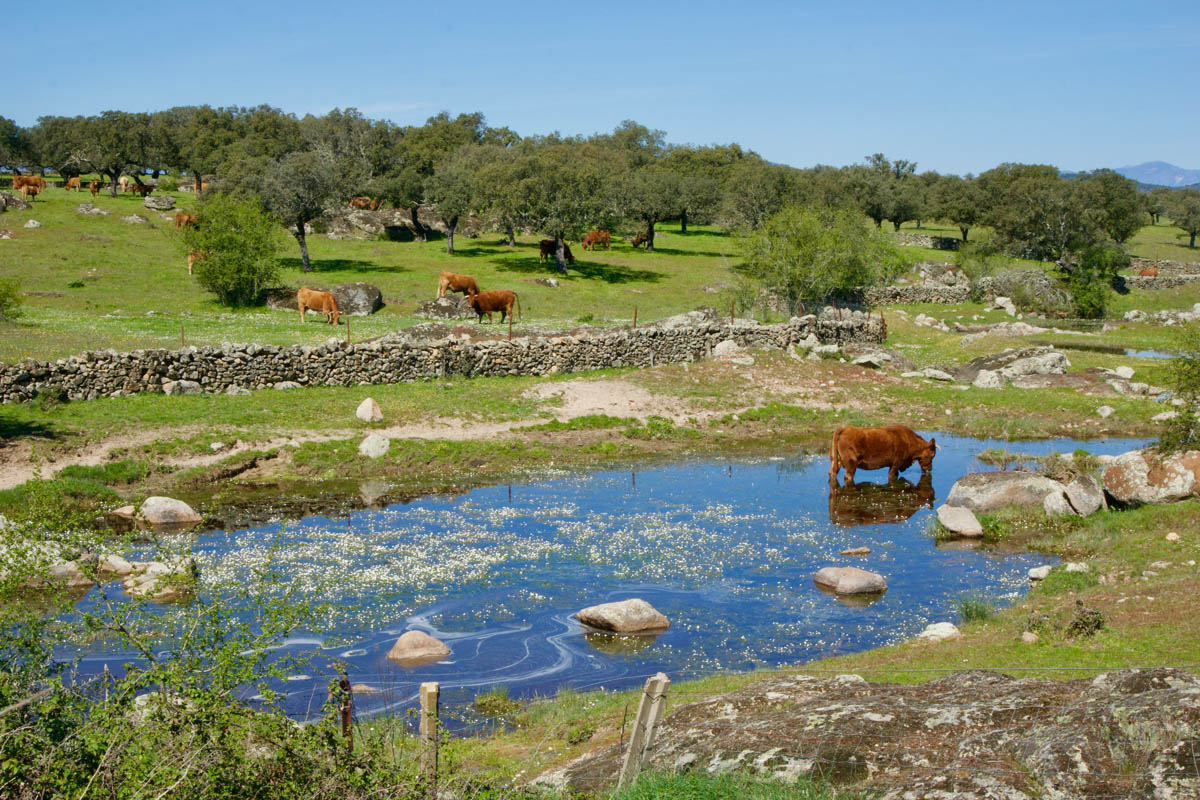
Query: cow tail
[(834, 463), (517, 299)]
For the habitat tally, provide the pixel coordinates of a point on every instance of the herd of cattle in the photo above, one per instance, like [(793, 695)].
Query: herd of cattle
[(30, 186)]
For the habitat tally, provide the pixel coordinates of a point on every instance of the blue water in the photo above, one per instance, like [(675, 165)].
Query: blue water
[(726, 549)]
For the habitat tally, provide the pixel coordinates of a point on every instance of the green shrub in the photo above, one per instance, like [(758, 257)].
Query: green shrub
[(1183, 432), (240, 242), (168, 183), (10, 298), (496, 703)]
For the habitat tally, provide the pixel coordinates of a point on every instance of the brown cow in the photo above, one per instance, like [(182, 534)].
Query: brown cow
[(143, 189), (595, 237), (185, 220), (640, 240), (30, 191), (895, 447), (453, 282), (94, 187), (1149, 272), (501, 300), (36, 181), (324, 302), (193, 257), (73, 183), (362, 202), (547, 248)]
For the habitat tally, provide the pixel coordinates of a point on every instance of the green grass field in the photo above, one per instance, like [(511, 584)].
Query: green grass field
[(95, 281)]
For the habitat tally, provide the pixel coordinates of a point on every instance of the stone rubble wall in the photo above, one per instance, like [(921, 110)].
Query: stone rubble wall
[(928, 293), (907, 239), (1161, 281), (252, 366)]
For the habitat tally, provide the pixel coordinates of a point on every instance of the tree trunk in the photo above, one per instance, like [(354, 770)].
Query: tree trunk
[(896, 226), (1192, 243), (450, 226), (511, 233), (683, 221), (112, 181), (918, 224), (560, 258), (418, 228), (649, 236), (199, 183), (303, 247), (964, 231)]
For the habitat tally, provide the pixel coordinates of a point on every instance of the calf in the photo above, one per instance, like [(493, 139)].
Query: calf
[(1149, 272), (123, 182), (501, 300), (30, 191), (315, 300), (193, 257), (640, 240), (546, 248), (185, 220), (144, 189), (595, 237), (895, 447), (94, 187), (362, 202), (73, 184), (452, 282)]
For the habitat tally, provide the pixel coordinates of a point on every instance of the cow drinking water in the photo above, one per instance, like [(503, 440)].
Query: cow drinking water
[(895, 447)]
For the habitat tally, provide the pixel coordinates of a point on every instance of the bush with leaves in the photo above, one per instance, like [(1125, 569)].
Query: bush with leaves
[(979, 259), (237, 244), (1183, 432), (10, 298), (815, 252), (1090, 281)]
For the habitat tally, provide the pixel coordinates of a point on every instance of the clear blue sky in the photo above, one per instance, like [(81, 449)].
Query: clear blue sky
[(957, 87)]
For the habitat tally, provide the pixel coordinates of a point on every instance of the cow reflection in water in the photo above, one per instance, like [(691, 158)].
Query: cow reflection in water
[(878, 503)]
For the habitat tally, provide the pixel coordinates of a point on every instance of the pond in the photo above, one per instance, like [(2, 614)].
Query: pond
[(726, 549)]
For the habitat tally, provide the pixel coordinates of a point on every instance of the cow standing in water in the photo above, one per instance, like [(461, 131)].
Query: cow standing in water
[(895, 447)]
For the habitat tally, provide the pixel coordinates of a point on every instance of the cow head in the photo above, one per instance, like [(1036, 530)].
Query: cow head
[(926, 454)]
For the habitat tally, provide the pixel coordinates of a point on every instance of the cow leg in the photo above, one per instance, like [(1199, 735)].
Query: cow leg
[(302, 313), (893, 474), (851, 466)]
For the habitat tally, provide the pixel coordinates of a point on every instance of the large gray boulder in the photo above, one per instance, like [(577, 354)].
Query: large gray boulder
[(1143, 476), (850, 580), (445, 307), (987, 491), (1086, 495), (417, 647), (168, 511), (934, 740), (626, 616), (13, 202), (1016, 362), (959, 520), (159, 202)]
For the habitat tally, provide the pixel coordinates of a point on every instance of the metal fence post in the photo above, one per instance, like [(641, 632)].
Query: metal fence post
[(645, 727), (429, 736)]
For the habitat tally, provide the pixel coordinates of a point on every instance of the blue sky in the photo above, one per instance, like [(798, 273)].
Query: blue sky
[(957, 87)]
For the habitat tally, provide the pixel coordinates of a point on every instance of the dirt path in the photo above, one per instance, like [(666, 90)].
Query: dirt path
[(578, 397)]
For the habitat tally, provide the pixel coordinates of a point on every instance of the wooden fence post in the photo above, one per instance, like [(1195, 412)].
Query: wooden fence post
[(731, 306), (645, 727), (635, 318), (429, 736)]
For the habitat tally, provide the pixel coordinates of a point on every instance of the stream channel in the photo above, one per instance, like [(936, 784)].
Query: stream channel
[(725, 548)]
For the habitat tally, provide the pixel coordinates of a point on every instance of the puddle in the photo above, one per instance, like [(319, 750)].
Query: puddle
[(726, 549)]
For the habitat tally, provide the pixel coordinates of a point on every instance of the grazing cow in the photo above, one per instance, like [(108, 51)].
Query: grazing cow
[(324, 302), (546, 250), (73, 183), (95, 186), (185, 220), (595, 237), (193, 257), (362, 202), (640, 240), (895, 447), (1149, 272), (501, 300), (878, 504), (36, 181), (30, 191), (453, 282), (143, 189), (123, 182)]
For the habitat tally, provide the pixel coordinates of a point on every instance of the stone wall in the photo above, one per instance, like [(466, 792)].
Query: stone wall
[(909, 239), (252, 366), (929, 293), (1160, 281)]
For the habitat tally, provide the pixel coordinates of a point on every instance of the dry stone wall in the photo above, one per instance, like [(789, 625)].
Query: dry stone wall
[(252, 366), (925, 240), (929, 293)]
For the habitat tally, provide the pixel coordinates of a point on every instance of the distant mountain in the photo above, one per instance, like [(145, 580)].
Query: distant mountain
[(1160, 173)]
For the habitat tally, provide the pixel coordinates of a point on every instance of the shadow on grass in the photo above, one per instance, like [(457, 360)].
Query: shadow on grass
[(609, 273), (14, 429), (340, 265), (671, 251)]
